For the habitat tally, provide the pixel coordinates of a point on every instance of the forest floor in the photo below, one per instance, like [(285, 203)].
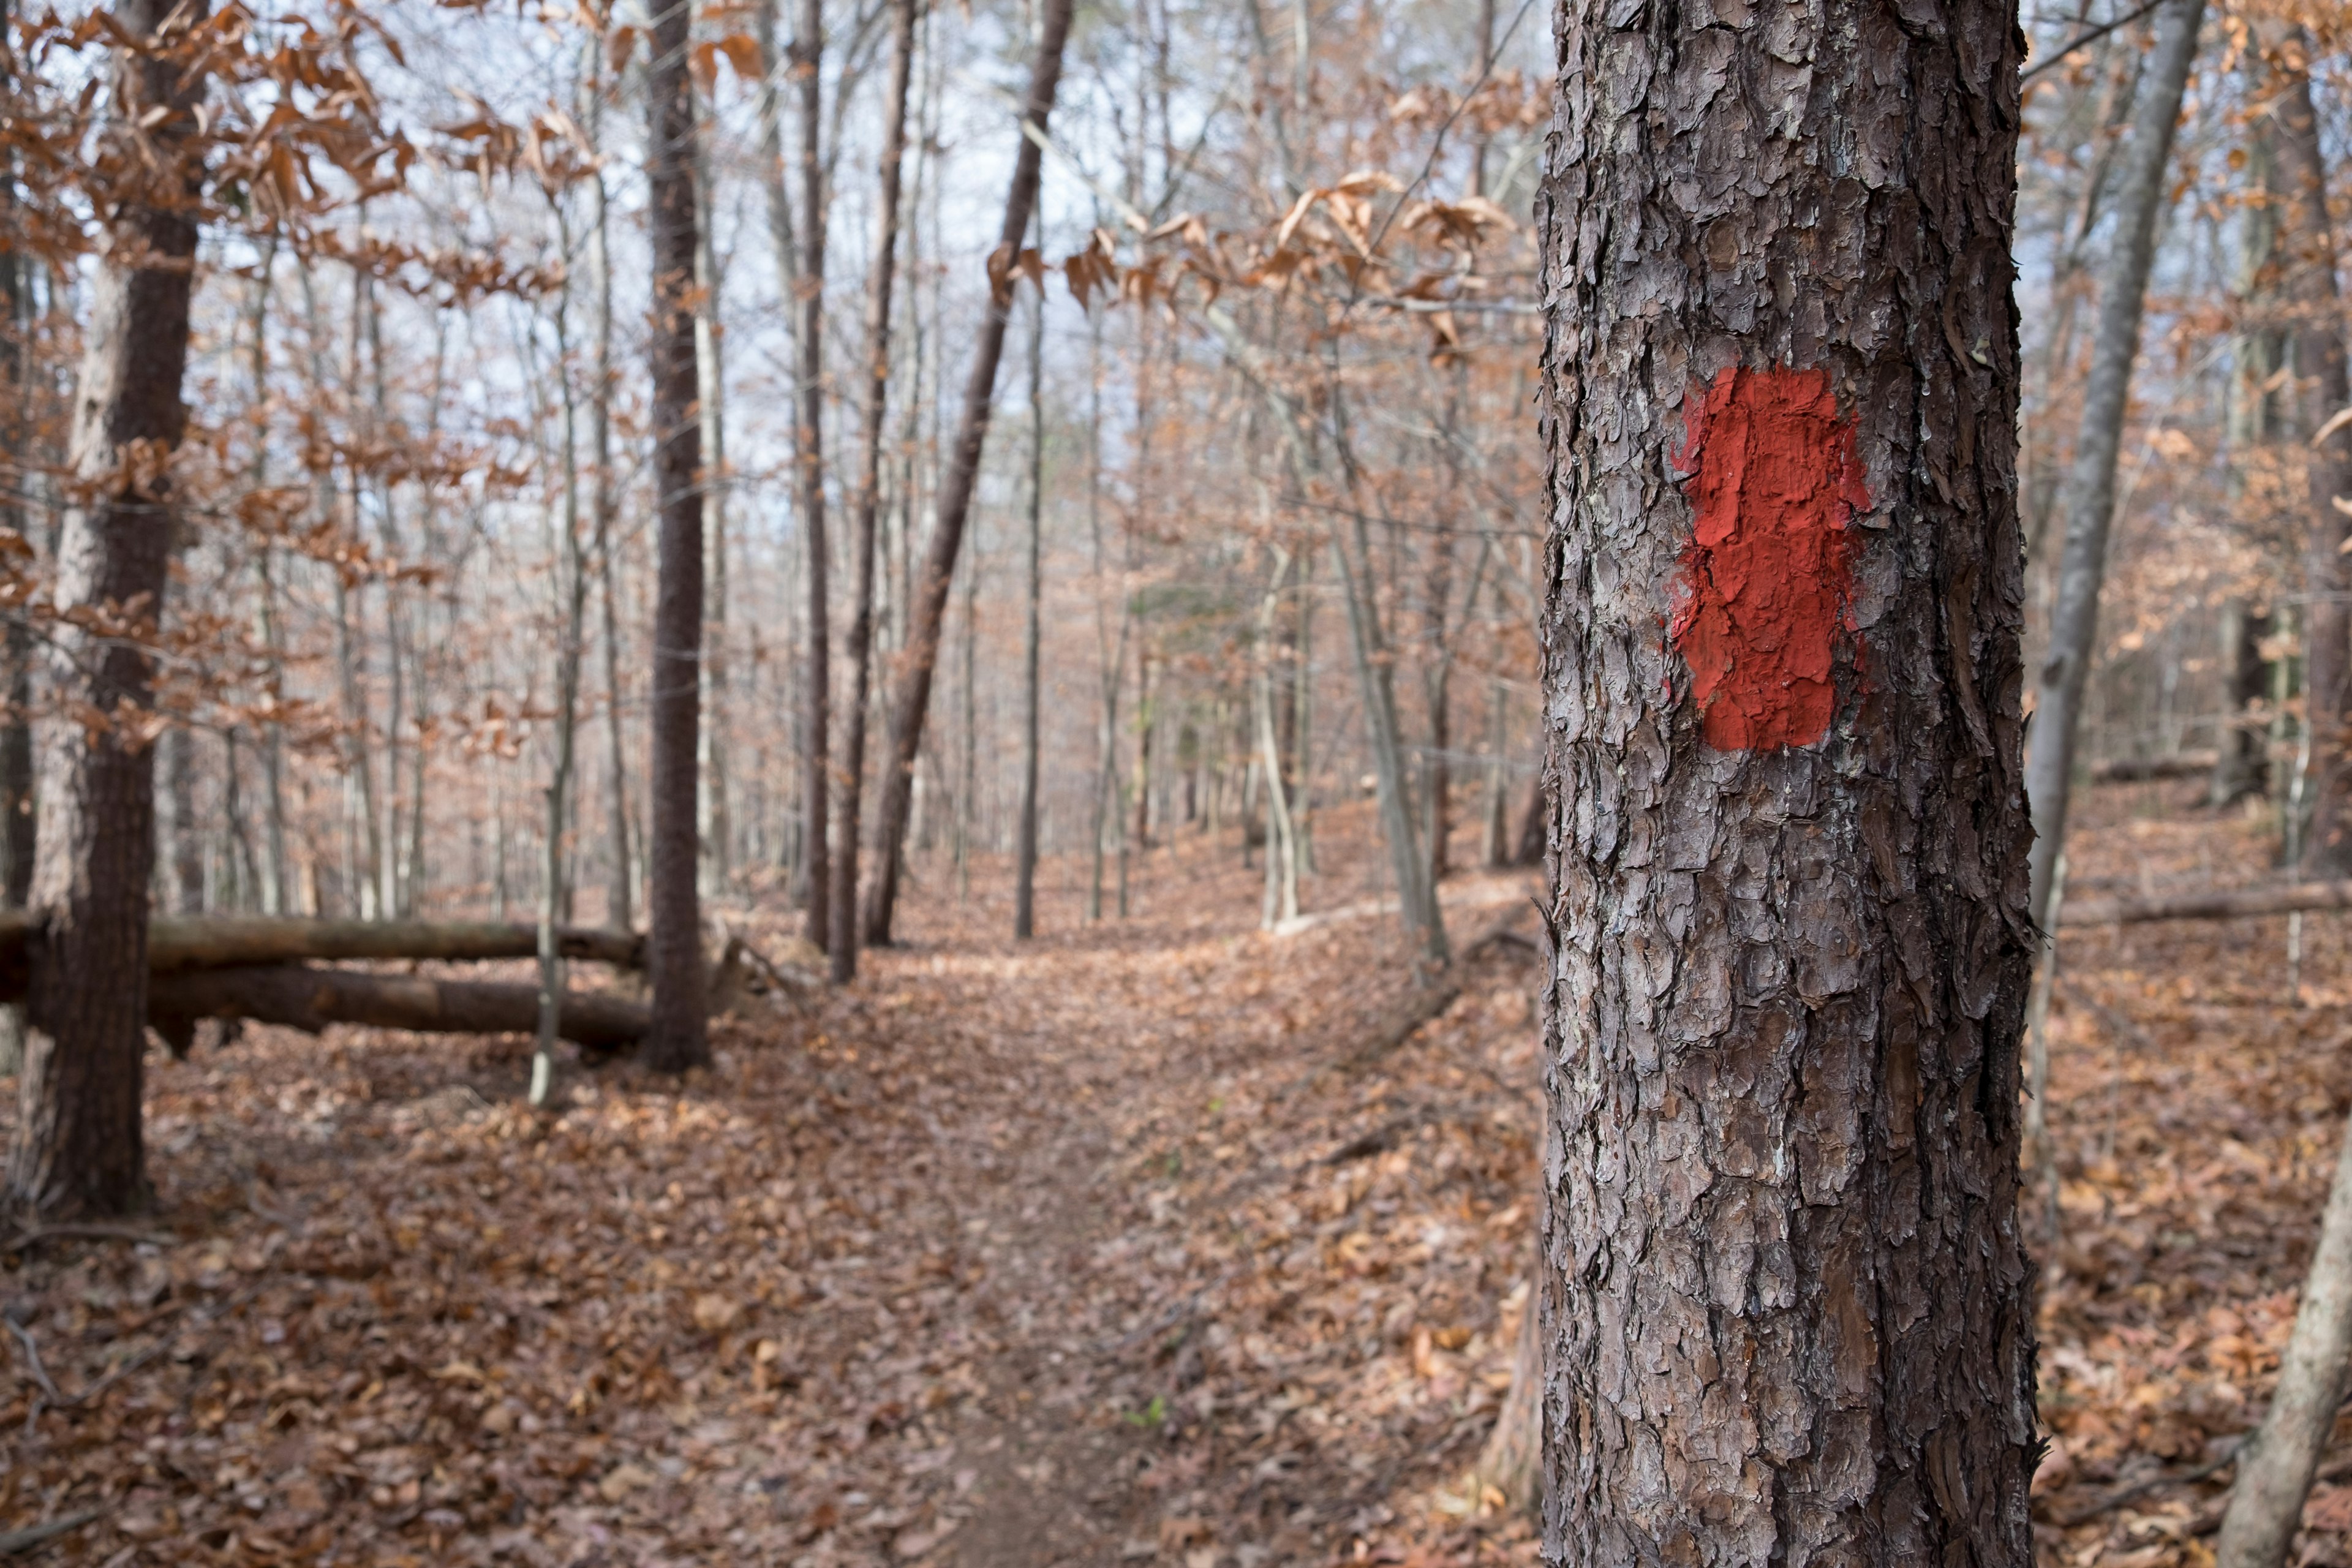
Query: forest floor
[(2200, 1083), (1138, 1243), (1148, 1242)]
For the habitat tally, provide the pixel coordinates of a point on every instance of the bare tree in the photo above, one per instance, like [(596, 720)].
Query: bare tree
[(679, 1036), (1025, 849), (569, 565), (910, 703), (79, 1147), (808, 469), (843, 954), (714, 824), (602, 505), (2089, 501)]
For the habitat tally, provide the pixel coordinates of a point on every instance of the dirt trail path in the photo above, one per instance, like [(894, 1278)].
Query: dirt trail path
[(1108, 1265), (1112, 1249), (1079, 1267)]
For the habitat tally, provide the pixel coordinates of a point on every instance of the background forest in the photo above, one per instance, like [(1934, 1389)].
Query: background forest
[(1114, 807)]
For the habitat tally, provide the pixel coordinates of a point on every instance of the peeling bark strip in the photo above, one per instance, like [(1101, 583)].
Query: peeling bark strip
[(1766, 581), (1784, 1299)]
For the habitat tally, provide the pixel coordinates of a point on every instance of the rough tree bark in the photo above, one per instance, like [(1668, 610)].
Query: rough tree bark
[(842, 957), (679, 1036), (910, 703), (78, 1141), (1784, 1306), (2090, 494)]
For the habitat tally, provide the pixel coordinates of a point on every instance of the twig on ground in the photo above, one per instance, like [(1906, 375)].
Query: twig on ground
[(2114, 1020), (2334, 1469), (41, 1233), (1428, 1002), (16, 1543), (2209, 1518), (2107, 1502), (162, 1343), (32, 1360), (62, 1401), (792, 984), (1114, 1344)]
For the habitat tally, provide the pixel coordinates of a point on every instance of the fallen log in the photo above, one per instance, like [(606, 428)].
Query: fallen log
[(2138, 770), (176, 943), (214, 940), (311, 999), (2231, 904)]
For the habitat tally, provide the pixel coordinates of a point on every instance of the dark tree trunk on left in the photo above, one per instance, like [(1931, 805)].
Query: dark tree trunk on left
[(679, 1037), (79, 1147)]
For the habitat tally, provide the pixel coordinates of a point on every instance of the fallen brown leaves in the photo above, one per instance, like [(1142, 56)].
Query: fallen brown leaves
[(1115, 1248), (2197, 1113), (1092, 1251)]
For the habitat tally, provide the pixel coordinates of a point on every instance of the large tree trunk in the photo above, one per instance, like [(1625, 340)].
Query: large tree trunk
[(911, 702), (2321, 381), (679, 1037), (842, 956), (78, 1140), (808, 467), (2090, 493), (1784, 1306)]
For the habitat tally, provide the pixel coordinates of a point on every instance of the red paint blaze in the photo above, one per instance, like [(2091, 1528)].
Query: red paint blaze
[(1767, 576)]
